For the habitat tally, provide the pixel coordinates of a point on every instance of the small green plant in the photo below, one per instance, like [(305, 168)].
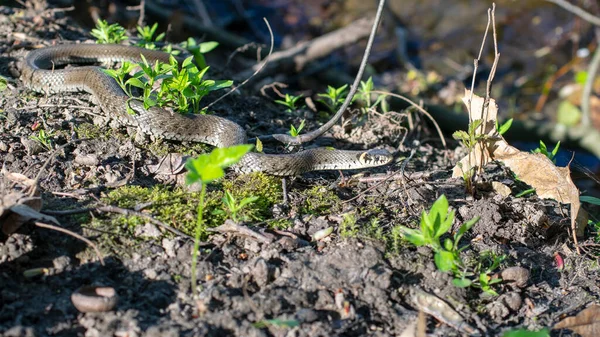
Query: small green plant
[(204, 169), (544, 150), (199, 49), (438, 222), (525, 193), (146, 35), (502, 129), (43, 138), (364, 94), (290, 102), (294, 132), (333, 98), (105, 33), (469, 140), (233, 208), (182, 87)]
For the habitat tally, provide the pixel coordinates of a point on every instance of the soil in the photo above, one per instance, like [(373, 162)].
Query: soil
[(360, 280)]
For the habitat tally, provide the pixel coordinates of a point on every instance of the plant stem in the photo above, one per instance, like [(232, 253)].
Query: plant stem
[(199, 231)]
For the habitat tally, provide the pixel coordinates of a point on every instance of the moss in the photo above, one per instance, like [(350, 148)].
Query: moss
[(320, 200), (177, 207), (91, 131)]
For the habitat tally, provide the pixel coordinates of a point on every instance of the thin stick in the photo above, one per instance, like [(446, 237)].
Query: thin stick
[(73, 234), (476, 63), (577, 11), (264, 63), (141, 8), (307, 137), (423, 111)]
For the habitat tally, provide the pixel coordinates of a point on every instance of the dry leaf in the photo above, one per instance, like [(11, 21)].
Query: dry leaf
[(586, 323), (534, 169)]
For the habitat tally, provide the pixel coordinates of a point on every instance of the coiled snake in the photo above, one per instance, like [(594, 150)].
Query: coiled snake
[(39, 74)]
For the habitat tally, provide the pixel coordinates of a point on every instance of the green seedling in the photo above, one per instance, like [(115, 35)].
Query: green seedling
[(447, 255), (105, 33), (333, 98), (502, 129), (43, 138), (290, 102), (295, 132), (525, 193), (364, 94), (205, 169), (233, 207), (469, 140), (544, 150), (146, 35)]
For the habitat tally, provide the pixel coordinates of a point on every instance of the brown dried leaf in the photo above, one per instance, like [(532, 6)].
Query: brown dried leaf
[(586, 323), (536, 169)]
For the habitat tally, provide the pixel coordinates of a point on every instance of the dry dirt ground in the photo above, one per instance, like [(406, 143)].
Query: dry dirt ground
[(361, 280)]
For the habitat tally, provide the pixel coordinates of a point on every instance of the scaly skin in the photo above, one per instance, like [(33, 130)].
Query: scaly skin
[(39, 75)]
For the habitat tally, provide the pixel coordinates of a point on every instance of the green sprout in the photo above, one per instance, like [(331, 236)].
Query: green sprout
[(233, 207), (204, 169), (43, 138), (438, 222), (364, 94), (146, 35), (544, 150), (295, 132), (290, 102), (105, 33), (334, 97)]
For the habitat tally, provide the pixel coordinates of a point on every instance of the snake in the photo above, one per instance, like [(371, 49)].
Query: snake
[(44, 72)]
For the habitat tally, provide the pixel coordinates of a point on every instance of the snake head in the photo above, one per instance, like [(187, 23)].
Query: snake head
[(375, 157)]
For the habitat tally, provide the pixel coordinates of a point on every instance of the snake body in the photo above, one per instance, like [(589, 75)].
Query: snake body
[(39, 74)]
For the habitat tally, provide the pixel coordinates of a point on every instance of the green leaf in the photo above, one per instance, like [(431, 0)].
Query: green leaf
[(221, 84), (259, 145), (467, 225), (413, 236), (227, 156), (524, 193), (444, 260), (247, 201), (205, 47), (448, 244), (136, 82), (505, 127), (589, 200), (462, 282)]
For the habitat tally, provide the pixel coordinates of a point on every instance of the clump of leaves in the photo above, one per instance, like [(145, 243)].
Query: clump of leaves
[(43, 138), (544, 150), (434, 224), (334, 97), (147, 38), (290, 102), (182, 87), (105, 33), (365, 93), (204, 169), (233, 208)]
